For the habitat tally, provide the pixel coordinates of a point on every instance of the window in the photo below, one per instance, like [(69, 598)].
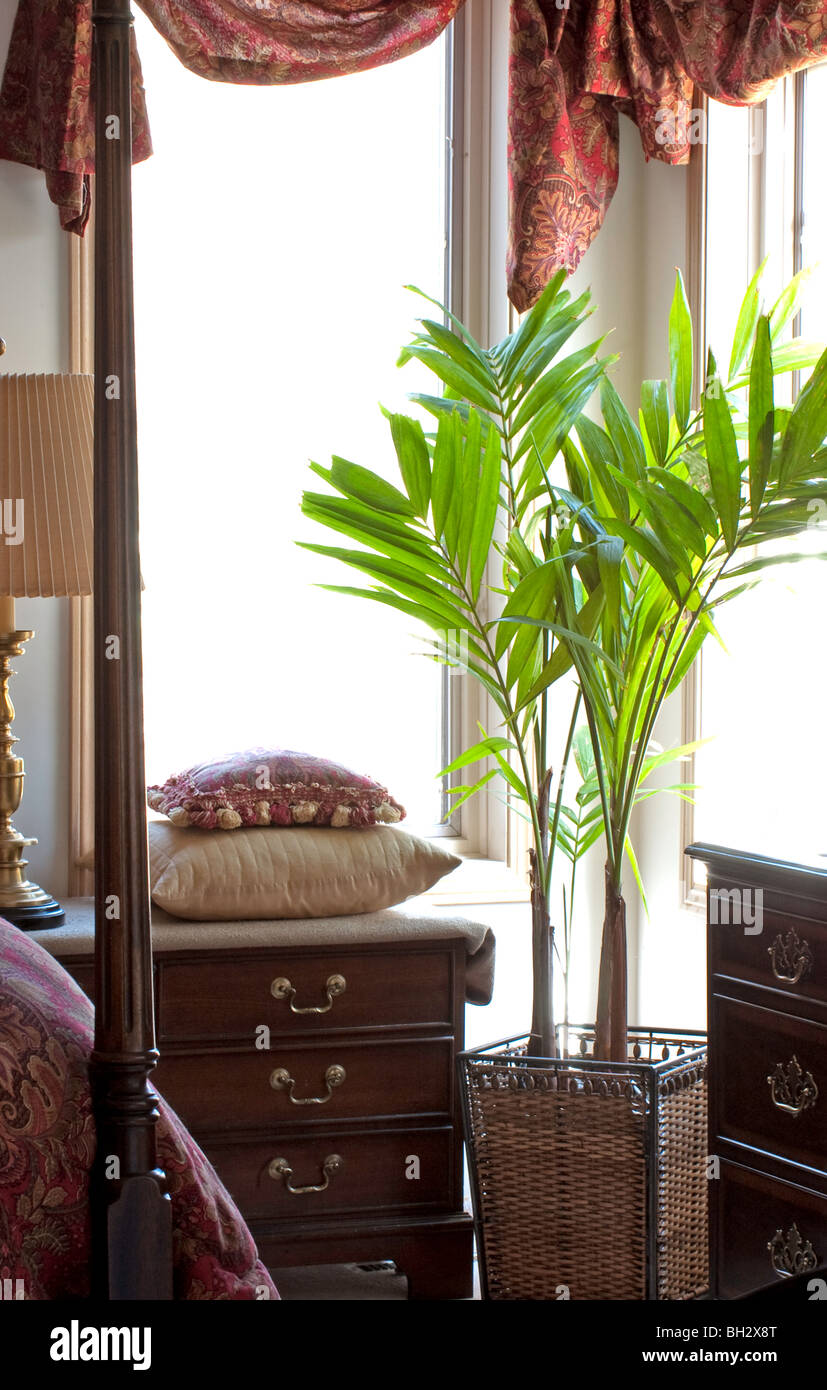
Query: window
[(274, 232), (761, 776), (471, 66)]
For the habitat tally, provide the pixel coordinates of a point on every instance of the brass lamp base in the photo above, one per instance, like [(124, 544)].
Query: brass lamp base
[(33, 918), (22, 903)]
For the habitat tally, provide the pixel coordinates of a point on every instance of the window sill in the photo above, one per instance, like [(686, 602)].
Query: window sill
[(479, 881)]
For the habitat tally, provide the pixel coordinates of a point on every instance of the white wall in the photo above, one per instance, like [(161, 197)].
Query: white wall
[(34, 323), (614, 269)]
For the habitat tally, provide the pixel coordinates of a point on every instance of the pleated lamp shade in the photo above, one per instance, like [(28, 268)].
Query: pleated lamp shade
[(46, 431)]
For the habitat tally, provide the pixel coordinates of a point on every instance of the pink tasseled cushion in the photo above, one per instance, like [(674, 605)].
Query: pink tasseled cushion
[(273, 786), (47, 1144)]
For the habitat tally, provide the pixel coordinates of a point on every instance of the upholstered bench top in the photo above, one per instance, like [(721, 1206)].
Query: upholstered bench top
[(415, 919)]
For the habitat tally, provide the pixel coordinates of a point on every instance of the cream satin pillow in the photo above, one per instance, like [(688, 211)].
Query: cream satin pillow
[(297, 872)]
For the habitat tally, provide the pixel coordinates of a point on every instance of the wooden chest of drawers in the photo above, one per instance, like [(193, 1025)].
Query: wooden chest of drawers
[(321, 1084), (767, 985)]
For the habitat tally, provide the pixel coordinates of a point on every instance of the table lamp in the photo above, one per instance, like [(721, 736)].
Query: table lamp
[(46, 431)]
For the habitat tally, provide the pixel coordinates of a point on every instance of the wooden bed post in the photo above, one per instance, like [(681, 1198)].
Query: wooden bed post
[(132, 1224)]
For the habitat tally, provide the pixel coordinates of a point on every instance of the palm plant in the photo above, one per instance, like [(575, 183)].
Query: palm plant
[(614, 576), (468, 491), (681, 514)]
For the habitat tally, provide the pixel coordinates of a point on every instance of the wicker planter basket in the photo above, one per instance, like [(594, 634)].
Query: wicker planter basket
[(589, 1178)]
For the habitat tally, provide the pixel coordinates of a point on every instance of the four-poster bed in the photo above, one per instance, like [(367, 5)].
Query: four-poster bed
[(132, 1221)]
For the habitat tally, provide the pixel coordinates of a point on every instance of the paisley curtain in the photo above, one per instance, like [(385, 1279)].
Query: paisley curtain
[(576, 64)]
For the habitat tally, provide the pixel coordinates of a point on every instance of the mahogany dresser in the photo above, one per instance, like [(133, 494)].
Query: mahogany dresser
[(320, 1081), (767, 985)]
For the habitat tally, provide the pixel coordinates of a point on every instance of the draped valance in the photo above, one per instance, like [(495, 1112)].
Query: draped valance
[(575, 65)]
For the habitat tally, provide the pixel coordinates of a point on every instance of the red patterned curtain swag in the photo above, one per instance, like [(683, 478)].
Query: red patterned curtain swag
[(575, 65)]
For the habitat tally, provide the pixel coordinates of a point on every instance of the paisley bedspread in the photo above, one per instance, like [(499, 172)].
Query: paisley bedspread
[(47, 1144)]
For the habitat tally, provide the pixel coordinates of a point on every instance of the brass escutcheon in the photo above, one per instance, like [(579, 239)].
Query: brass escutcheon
[(791, 958), (791, 1254), (792, 1089)]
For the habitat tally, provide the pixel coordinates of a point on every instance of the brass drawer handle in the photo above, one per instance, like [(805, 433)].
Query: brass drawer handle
[(335, 985), (791, 1254), (281, 1080), (792, 1089), (791, 958), (280, 1168)]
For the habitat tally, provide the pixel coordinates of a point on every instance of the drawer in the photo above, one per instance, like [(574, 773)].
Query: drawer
[(215, 1091), (788, 953), (754, 1212), (376, 1171), (230, 999), (788, 1115)]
